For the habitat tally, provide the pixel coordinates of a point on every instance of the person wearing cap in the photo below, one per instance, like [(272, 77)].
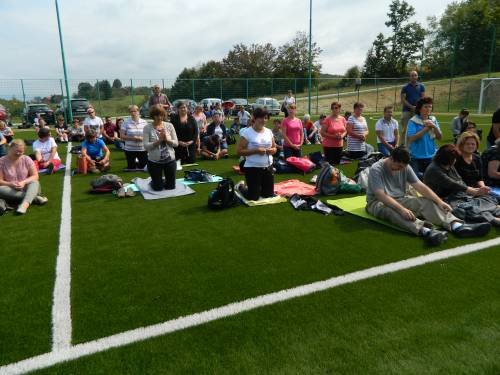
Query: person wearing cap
[(93, 122), (159, 98)]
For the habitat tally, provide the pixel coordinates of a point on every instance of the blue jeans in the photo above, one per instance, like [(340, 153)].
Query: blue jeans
[(384, 150)]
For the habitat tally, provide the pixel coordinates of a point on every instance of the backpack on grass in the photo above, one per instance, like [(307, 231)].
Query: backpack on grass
[(304, 165), (106, 184), (332, 181), (197, 175), (223, 196)]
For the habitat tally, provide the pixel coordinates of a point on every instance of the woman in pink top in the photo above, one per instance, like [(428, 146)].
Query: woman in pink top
[(19, 178), (293, 135), (333, 131)]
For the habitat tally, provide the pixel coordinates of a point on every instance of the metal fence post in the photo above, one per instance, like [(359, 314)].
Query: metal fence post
[(62, 95), (317, 97), (24, 95), (192, 88), (295, 86), (395, 94), (163, 84), (376, 100), (338, 93), (272, 87), (99, 96), (247, 88), (131, 92), (220, 83), (452, 69)]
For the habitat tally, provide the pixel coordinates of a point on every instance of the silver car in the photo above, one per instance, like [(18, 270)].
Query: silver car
[(271, 104)]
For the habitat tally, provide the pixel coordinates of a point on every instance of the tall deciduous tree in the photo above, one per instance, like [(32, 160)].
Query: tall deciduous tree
[(293, 58)]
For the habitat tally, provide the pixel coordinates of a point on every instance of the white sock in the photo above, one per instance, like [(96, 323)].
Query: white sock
[(455, 225)]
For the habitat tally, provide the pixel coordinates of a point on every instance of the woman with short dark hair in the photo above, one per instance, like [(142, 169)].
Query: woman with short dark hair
[(258, 147)]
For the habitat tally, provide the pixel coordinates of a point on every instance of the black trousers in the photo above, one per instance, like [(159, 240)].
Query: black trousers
[(157, 170), (142, 159), (355, 154), (186, 154), (289, 151), (333, 155), (260, 183)]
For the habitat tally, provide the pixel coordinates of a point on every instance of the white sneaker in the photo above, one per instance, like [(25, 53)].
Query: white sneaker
[(40, 200)]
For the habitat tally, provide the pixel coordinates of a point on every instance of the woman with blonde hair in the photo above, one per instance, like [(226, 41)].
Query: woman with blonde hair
[(131, 133), (19, 178)]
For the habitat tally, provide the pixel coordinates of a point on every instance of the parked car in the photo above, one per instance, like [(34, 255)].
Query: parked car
[(191, 104), (237, 103), (79, 108), (144, 109), (5, 115), (209, 101), (33, 110), (271, 104)]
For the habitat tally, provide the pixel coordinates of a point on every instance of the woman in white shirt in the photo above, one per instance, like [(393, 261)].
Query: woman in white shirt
[(45, 151), (258, 147), (131, 133), (287, 100)]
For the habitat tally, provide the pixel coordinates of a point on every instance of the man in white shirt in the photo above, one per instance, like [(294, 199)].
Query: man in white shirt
[(387, 132), (93, 122), (244, 116)]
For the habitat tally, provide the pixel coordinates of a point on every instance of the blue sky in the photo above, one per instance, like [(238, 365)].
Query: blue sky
[(157, 38)]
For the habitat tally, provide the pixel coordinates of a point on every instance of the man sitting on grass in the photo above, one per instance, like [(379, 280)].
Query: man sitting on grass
[(387, 199), (210, 147), (95, 153)]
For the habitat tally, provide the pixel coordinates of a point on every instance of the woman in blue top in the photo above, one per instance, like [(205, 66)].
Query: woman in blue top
[(96, 153), (423, 130)]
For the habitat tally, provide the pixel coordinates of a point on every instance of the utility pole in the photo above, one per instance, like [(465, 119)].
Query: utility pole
[(68, 96), (310, 58)]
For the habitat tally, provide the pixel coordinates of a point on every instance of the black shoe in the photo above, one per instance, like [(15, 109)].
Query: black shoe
[(435, 237), (472, 230)]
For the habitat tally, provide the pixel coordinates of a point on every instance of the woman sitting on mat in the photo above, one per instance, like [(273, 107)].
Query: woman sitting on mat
[(19, 178), (258, 147), (159, 140), (95, 153)]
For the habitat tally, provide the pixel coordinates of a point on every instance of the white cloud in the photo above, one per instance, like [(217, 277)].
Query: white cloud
[(157, 38)]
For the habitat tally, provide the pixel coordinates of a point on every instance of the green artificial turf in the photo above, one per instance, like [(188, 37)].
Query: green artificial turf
[(137, 262), (28, 253), (440, 318)]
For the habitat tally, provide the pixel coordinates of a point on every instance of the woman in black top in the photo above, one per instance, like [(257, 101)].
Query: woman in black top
[(468, 164), (186, 129)]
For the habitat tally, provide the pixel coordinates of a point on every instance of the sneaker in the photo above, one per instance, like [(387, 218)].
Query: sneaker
[(129, 193), (22, 208), (120, 193), (435, 237), (472, 230), (40, 200)]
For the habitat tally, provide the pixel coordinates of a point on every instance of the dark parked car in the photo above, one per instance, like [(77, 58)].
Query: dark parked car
[(32, 110), (79, 108), (144, 109), (237, 103)]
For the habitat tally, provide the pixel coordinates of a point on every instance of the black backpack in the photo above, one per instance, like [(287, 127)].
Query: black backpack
[(223, 196), (197, 175)]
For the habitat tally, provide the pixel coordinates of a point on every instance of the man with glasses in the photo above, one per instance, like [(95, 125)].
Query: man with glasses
[(159, 98), (93, 122)]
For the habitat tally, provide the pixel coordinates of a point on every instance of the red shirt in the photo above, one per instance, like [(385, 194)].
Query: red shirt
[(334, 126), (110, 129)]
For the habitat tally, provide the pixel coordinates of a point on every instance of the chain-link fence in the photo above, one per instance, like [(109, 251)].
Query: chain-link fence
[(112, 97)]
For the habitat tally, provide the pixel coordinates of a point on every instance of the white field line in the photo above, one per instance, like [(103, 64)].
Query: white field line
[(144, 333), (61, 307)]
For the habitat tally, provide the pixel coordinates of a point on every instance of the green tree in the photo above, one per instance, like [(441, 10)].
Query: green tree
[(85, 90), (293, 58), (256, 60), (105, 90), (117, 84), (402, 48), (467, 27)]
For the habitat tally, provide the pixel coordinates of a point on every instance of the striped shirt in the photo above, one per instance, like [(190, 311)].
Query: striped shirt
[(133, 129), (359, 127)]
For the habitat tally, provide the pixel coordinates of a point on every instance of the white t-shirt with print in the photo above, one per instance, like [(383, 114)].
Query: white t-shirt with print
[(95, 124), (45, 147)]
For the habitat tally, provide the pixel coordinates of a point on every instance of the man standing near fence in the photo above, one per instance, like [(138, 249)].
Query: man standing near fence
[(159, 98), (410, 94)]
